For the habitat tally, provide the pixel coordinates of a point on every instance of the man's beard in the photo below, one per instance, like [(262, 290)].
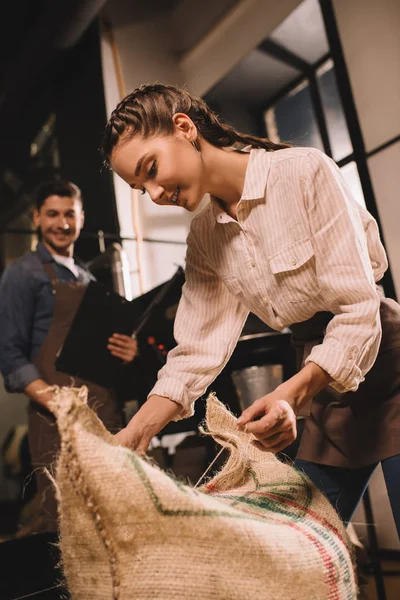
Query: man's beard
[(61, 245)]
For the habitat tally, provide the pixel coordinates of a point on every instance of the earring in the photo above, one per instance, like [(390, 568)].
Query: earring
[(196, 146)]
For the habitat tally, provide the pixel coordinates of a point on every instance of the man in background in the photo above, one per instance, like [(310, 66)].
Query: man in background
[(39, 296)]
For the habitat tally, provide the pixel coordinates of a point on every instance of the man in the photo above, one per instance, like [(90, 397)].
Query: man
[(39, 296)]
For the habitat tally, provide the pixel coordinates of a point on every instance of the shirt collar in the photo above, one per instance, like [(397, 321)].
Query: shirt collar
[(255, 182), (46, 257), (43, 253)]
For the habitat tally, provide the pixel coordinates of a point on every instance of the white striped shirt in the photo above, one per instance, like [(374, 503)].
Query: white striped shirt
[(301, 244)]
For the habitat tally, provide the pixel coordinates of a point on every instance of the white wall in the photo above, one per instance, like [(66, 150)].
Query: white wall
[(385, 173), (369, 32), (146, 55)]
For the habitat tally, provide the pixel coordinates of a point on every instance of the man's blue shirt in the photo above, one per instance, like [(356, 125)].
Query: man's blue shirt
[(26, 312)]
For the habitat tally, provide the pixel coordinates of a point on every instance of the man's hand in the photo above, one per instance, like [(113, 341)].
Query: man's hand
[(38, 391), (155, 413), (123, 347), (276, 425)]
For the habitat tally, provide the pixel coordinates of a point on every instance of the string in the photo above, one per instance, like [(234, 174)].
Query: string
[(54, 587), (209, 466)]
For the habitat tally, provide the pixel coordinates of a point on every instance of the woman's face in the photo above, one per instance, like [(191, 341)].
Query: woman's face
[(167, 167)]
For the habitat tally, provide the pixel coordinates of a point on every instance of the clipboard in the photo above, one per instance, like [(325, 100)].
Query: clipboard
[(102, 313)]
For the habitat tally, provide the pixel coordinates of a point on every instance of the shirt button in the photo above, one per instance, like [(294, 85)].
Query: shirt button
[(294, 261)]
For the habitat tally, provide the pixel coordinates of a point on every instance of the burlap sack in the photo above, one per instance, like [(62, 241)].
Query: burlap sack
[(258, 530)]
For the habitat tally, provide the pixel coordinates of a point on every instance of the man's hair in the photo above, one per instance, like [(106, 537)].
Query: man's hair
[(57, 187)]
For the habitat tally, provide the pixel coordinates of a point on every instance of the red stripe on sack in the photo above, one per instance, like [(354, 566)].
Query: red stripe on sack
[(308, 511), (330, 580)]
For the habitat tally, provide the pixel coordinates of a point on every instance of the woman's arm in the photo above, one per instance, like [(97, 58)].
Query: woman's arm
[(347, 289), (208, 323), (18, 298), (345, 274), (155, 414), (207, 326)]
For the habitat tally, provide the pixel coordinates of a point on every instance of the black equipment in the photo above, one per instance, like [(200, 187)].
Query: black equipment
[(150, 318), (102, 313)]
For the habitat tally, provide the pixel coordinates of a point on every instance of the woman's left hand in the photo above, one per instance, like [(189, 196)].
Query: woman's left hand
[(123, 347), (276, 425)]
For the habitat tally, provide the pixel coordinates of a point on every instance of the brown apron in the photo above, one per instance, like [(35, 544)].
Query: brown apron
[(359, 428), (44, 441)]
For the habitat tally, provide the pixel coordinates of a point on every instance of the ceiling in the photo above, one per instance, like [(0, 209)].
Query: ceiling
[(39, 31), (262, 74), (187, 21), (36, 34), (257, 77), (303, 32)]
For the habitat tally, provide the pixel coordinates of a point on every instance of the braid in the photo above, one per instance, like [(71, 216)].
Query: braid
[(149, 109), (223, 135)]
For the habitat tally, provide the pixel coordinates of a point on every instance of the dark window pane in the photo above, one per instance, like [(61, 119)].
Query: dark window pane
[(294, 119), (337, 128)]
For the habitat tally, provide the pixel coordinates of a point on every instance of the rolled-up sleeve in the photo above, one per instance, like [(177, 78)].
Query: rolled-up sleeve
[(344, 271), (17, 303), (207, 327)]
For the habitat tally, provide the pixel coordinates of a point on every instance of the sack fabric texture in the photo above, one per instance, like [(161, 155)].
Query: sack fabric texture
[(128, 531)]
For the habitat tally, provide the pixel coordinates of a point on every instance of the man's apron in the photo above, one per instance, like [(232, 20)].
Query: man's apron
[(44, 441), (359, 428)]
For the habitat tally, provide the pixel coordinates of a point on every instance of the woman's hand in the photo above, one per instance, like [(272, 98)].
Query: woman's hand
[(155, 413), (123, 347), (276, 412), (276, 425)]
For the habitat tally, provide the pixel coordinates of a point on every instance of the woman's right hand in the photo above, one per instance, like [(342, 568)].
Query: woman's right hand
[(155, 414)]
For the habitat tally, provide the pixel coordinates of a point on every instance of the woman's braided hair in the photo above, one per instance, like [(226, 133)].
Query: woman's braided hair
[(149, 109)]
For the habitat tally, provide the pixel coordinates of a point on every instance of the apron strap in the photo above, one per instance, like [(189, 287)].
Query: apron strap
[(48, 268), (50, 272)]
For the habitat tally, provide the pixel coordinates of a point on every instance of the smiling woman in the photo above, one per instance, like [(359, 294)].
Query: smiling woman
[(168, 143), (283, 238), (164, 167)]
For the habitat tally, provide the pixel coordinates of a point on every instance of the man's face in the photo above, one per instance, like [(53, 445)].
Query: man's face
[(60, 220)]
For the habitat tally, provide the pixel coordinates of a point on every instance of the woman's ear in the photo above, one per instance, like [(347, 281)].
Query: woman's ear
[(184, 126)]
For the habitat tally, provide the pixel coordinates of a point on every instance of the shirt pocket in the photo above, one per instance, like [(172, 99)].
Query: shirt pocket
[(294, 271)]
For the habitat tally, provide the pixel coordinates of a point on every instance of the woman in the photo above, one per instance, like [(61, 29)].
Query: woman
[(282, 238)]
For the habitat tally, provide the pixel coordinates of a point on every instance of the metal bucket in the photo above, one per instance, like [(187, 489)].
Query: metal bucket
[(253, 382)]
